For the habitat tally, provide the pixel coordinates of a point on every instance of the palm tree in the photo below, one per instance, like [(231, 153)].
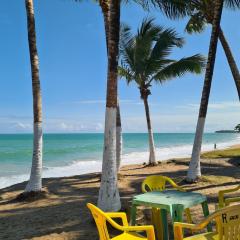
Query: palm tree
[(109, 199), (35, 182), (202, 14), (144, 60), (194, 171)]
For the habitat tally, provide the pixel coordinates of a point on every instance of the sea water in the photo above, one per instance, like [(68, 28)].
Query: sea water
[(74, 154)]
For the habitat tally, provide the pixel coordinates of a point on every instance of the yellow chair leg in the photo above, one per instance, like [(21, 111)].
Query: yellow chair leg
[(188, 215), (189, 218), (157, 223)]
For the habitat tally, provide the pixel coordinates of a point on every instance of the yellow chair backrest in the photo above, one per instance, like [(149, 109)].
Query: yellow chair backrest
[(158, 183), (228, 223), (226, 201), (101, 221)]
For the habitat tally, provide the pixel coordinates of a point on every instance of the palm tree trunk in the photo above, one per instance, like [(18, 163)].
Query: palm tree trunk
[(35, 182), (152, 157), (231, 61), (194, 171), (105, 10), (109, 199), (119, 139)]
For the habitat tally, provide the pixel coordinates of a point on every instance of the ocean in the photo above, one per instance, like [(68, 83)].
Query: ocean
[(74, 154)]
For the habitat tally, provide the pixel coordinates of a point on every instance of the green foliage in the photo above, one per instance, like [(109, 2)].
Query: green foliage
[(226, 153), (171, 8), (237, 128), (201, 13), (145, 56)]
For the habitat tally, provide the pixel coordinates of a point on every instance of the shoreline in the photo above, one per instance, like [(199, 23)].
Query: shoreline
[(94, 166)]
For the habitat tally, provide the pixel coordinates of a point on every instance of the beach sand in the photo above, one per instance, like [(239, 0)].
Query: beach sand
[(63, 214)]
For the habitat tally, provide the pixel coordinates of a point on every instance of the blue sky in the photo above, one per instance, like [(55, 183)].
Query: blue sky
[(71, 46)]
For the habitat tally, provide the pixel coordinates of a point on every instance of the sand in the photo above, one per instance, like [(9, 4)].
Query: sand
[(63, 214)]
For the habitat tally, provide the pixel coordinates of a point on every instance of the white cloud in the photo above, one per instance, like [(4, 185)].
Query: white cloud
[(71, 126), (212, 106), (122, 101), (183, 121), (167, 118), (20, 125), (90, 102)]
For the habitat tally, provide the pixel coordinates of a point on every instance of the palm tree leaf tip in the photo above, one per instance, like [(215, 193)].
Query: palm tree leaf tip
[(194, 64)]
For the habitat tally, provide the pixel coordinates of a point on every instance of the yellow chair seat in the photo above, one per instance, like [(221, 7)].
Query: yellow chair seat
[(204, 236), (129, 236)]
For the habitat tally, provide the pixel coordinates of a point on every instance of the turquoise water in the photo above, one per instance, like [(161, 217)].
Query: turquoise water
[(70, 154)]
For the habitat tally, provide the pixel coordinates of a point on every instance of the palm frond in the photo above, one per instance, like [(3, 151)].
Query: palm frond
[(144, 40), (124, 71), (125, 36), (167, 39), (162, 48), (196, 23), (232, 4), (173, 9), (193, 64)]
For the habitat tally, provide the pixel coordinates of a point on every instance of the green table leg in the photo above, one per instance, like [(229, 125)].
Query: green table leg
[(133, 215), (177, 213), (206, 213), (164, 224)]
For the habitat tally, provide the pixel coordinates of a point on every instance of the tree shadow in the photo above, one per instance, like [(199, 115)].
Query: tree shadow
[(64, 211)]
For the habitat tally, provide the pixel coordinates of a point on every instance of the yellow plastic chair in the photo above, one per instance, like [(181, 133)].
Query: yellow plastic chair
[(159, 183), (226, 201), (227, 226), (129, 232)]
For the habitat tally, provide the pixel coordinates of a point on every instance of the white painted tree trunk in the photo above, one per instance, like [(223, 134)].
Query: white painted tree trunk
[(109, 199), (119, 147), (194, 170), (152, 156), (119, 138), (35, 182)]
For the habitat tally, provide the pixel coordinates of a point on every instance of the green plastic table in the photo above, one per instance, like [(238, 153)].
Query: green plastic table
[(172, 201)]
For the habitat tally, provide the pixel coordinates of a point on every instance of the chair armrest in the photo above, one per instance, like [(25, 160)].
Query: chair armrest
[(175, 185), (148, 229), (179, 226), (121, 215), (222, 192), (188, 226)]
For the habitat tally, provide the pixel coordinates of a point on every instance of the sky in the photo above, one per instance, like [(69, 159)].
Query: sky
[(73, 67)]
